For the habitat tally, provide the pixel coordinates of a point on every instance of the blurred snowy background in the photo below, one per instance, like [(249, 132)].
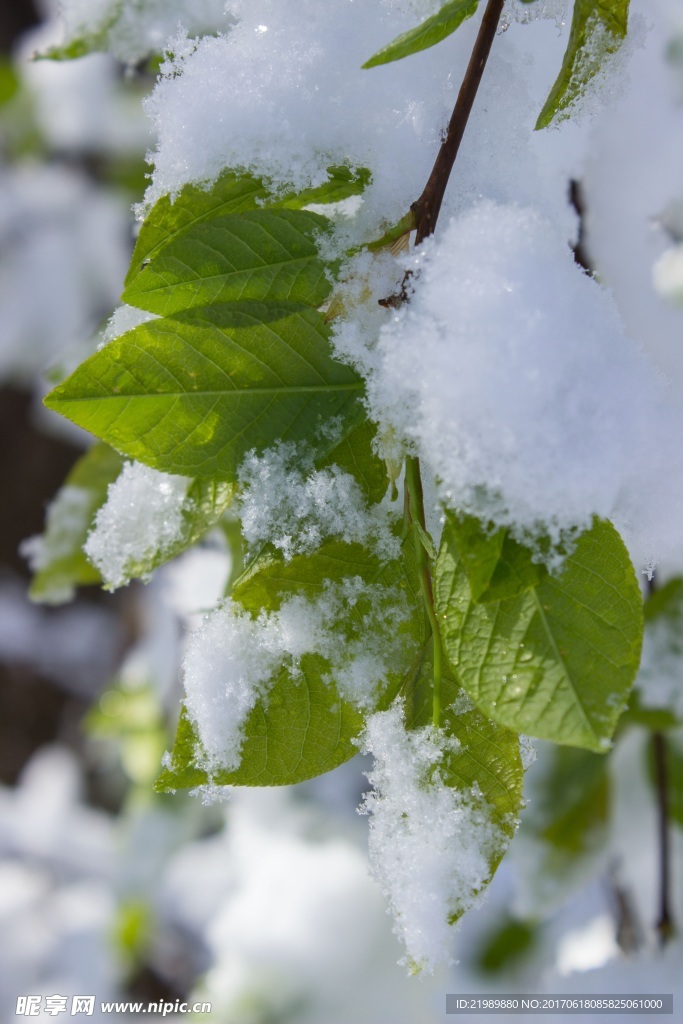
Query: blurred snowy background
[(263, 905)]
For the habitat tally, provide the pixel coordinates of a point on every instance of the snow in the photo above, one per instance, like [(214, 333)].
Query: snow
[(135, 29), (287, 502), (63, 253), (280, 93), (659, 677), (66, 516), (430, 845), (231, 662), (122, 538), (528, 402)]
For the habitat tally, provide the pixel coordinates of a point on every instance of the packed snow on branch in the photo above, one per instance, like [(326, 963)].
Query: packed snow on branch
[(142, 518), (430, 845), (290, 504), (512, 377)]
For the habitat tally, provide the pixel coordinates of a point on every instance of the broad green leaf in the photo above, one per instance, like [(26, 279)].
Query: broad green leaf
[(234, 192), (497, 567), (58, 555), (268, 581), (428, 33), (598, 29), (355, 455), (488, 757), (558, 660), (264, 255), (304, 727), (303, 730), (193, 393)]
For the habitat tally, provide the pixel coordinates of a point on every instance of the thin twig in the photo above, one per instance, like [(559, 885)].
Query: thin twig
[(427, 207), (665, 923)]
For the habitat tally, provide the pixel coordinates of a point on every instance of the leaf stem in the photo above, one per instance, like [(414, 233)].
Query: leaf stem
[(415, 506), (427, 207), (426, 211)]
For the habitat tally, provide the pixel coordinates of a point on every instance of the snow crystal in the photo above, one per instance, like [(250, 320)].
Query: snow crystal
[(231, 661), (142, 516), (527, 401), (430, 845), (286, 501), (124, 318), (132, 29), (524, 12)]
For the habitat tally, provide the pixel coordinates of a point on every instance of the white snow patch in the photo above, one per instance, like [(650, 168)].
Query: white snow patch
[(231, 661), (142, 517), (286, 501), (132, 30), (430, 845), (511, 376)]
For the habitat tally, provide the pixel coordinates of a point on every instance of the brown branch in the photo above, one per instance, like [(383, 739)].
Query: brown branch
[(665, 922), (427, 207)]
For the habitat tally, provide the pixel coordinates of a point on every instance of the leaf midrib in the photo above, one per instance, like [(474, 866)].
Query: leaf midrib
[(299, 389), (568, 676)]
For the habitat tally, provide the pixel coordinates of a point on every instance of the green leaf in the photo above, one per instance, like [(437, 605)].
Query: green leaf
[(394, 234), (342, 183), (58, 555), (234, 192), (488, 757), (557, 660), (508, 945), (205, 503), (304, 727), (303, 730), (355, 455), (193, 393), (566, 820), (598, 29), (169, 218), (428, 33), (497, 567), (264, 255), (666, 603), (10, 83), (573, 805)]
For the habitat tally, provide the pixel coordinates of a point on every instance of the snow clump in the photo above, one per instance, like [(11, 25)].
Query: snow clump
[(123, 538), (431, 846), (510, 374), (289, 503)]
